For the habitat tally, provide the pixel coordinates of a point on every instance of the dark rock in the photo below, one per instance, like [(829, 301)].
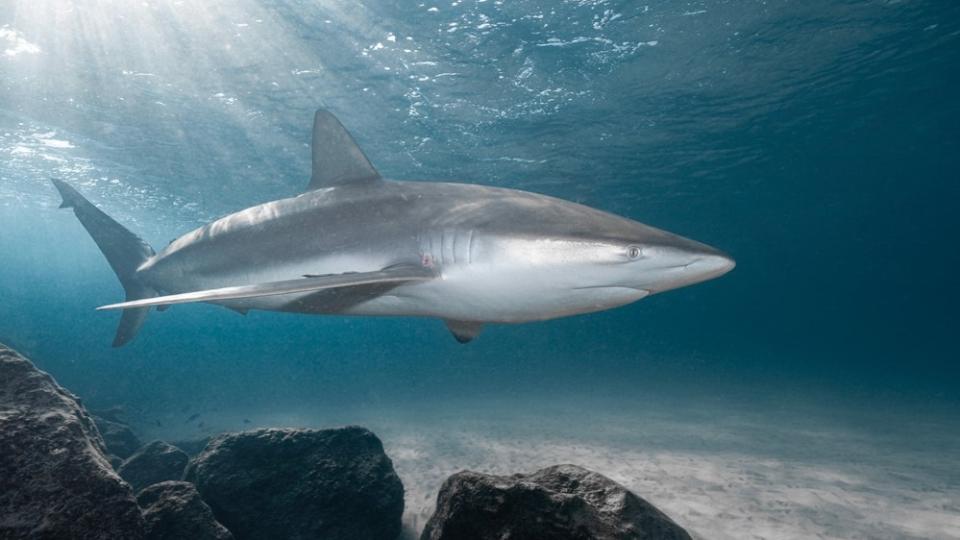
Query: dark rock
[(115, 461), (115, 413), (175, 511), (155, 462), (192, 447), (120, 439), (287, 483), (55, 481), (563, 502)]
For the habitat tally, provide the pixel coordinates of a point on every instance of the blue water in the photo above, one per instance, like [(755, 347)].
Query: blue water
[(817, 142)]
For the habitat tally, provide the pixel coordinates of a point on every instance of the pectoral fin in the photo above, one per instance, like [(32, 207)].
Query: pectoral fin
[(395, 274)]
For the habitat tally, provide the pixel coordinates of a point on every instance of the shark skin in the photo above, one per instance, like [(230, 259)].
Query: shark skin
[(357, 244)]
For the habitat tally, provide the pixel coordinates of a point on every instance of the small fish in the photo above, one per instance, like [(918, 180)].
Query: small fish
[(192, 418), (246, 420), (157, 422)]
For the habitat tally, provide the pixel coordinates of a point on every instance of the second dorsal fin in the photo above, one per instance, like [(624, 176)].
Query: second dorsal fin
[(337, 160)]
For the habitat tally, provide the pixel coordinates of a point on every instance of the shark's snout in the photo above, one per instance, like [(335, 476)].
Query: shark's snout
[(671, 267), (711, 265)]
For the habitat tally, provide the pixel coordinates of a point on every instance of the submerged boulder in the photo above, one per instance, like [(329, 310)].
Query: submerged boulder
[(563, 502), (119, 438), (297, 483), (192, 447), (175, 511), (154, 462), (55, 480)]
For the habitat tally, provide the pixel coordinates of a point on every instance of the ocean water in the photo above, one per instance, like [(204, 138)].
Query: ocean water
[(813, 391)]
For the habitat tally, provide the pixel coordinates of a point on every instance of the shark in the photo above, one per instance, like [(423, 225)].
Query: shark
[(356, 243)]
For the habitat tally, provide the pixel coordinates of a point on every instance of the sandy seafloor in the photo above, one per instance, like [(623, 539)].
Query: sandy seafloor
[(724, 468)]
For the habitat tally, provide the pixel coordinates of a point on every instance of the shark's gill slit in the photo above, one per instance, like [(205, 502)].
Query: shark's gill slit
[(470, 248)]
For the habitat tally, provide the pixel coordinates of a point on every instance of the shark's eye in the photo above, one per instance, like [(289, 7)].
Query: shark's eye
[(634, 252)]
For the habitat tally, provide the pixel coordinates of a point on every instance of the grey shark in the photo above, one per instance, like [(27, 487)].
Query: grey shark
[(355, 243)]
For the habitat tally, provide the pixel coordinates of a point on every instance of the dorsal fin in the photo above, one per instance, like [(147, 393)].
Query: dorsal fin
[(337, 160)]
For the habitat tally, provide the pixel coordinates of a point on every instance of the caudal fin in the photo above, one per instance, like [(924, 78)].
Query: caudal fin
[(124, 251)]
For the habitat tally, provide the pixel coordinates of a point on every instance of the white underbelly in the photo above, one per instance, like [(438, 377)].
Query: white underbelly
[(460, 293), (486, 297)]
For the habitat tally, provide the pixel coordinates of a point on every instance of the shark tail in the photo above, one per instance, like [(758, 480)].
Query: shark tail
[(124, 251)]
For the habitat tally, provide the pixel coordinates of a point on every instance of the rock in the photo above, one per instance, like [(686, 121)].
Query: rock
[(193, 446), (114, 461), (563, 502), (175, 511), (55, 481), (120, 439), (295, 483), (155, 462), (115, 413)]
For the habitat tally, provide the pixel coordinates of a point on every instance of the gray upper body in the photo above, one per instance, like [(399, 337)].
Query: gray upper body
[(355, 243)]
